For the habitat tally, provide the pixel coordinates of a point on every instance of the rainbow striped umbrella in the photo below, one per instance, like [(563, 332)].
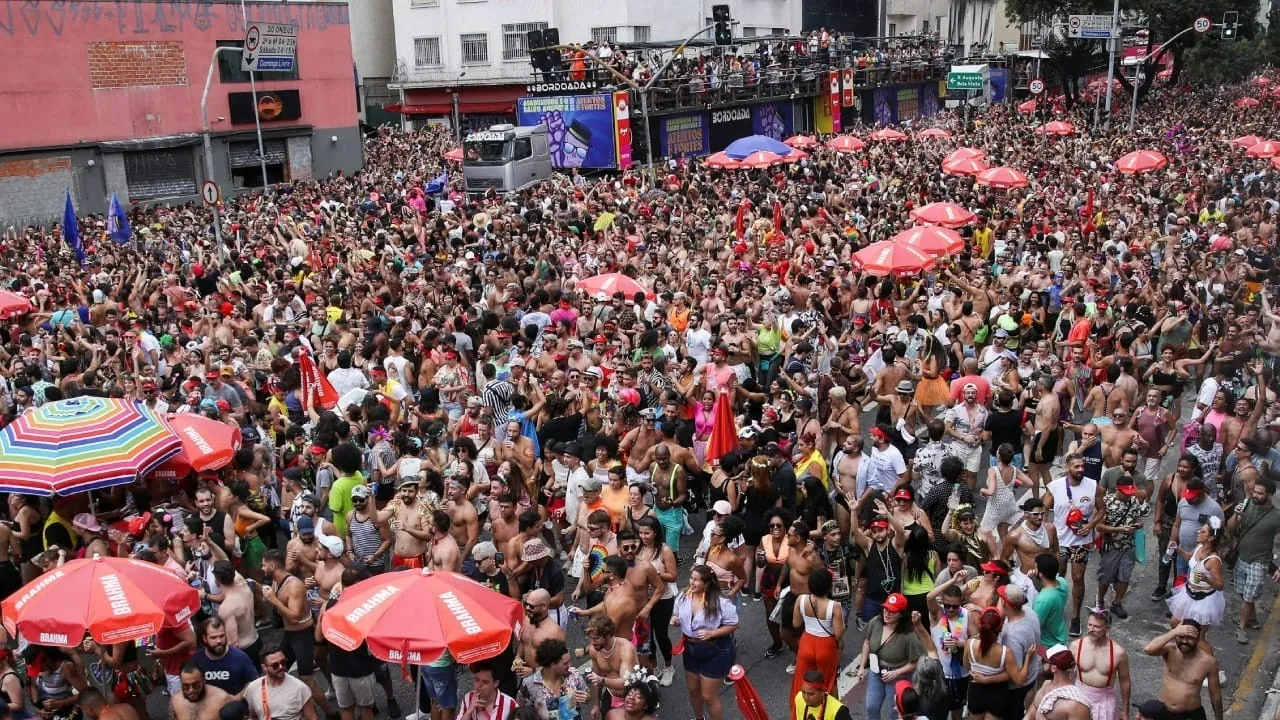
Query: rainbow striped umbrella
[(82, 444)]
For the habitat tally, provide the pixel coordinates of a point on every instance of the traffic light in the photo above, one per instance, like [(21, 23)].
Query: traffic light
[(537, 56), (1230, 24), (724, 32)]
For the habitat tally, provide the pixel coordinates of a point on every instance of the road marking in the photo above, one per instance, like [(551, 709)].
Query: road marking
[(1260, 652)]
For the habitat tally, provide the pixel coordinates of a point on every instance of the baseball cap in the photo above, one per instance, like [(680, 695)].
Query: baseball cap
[(902, 493), (305, 525), (879, 523), (1060, 657), (896, 602), (1125, 486), (360, 491), (722, 507), (994, 567), (591, 484), (333, 544)]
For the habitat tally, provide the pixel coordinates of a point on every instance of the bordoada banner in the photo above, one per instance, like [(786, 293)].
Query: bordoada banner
[(581, 128), (685, 135), (729, 124)]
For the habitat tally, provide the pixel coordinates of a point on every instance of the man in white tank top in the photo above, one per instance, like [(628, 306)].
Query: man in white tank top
[(1074, 499)]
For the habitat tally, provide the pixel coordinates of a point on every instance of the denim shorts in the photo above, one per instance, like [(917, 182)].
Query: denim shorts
[(442, 685)]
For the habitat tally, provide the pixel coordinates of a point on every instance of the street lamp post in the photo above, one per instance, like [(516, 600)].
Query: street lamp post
[(457, 112)]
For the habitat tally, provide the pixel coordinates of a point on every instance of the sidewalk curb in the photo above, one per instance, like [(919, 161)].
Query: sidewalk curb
[(1271, 706)]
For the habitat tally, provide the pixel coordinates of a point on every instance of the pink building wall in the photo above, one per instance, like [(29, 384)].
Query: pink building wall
[(77, 72)]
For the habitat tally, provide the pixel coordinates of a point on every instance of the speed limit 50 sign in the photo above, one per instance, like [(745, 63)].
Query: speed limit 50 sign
[(1036, 87)]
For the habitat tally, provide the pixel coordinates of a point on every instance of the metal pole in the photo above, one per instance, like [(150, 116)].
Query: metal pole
[(644, 99), (1112, 47), (457, 118), (648, 138), (257, 122), (1140, 69), (208, 144), (1137, 78)]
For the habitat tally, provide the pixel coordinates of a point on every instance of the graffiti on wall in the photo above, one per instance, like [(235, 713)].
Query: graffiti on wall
[(133, 18)]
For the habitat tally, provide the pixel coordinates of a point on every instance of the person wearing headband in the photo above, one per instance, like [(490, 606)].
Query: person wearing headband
[(813, 702)]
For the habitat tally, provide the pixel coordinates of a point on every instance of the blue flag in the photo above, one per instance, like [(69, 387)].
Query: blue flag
[(117, 223), (437, 186), (71, 230)]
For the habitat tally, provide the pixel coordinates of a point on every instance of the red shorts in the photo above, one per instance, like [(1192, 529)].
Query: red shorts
[(415, 563)]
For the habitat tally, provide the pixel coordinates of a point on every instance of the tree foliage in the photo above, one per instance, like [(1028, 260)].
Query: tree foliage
[(1214, 62)]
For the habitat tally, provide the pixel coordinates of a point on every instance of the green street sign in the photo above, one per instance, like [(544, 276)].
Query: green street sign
[(964, 81)]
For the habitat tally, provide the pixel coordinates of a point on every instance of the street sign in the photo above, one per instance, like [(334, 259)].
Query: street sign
[(1036, 87), (965, 81), (209, 191), (1096, 27), (1202, 24), (268, 46)]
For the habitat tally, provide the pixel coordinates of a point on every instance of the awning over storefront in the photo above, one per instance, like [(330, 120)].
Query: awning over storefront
[(466, 108)]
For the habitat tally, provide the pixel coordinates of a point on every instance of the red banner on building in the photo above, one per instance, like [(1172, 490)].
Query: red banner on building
[(622, 120), (847, 82), (836, 125)]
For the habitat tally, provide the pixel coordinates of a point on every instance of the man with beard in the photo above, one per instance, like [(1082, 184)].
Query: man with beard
[(1103, 664), (670, 491), (445, 553), (302, 551), (277, 695), (541, 627), (1123, 513), (289, 601), (1076, 502), (1188, 663), (621, 603), (410, 521), (537, 571), (224, 666), (464, 522), (611, 656), (197, 701), (1030, 537)]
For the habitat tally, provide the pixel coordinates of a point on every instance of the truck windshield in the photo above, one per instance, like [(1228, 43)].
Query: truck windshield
[(486, 152)]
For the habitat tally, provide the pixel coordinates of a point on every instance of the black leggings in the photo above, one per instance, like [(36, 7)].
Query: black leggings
[(660, 621)]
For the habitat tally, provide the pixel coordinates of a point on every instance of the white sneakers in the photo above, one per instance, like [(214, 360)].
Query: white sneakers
[(668, 673)]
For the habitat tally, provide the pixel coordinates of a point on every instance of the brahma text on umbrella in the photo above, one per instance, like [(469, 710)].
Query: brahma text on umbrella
[(198, 439), (115, 595), (39, 585), (374, 601), (461, 614)]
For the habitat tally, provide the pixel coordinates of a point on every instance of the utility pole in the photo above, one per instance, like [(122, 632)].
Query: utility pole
[(1113, 42), (257, 121), (208, 144)]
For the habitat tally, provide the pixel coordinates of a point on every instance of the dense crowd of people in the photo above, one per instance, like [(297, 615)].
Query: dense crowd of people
[(971, 542)]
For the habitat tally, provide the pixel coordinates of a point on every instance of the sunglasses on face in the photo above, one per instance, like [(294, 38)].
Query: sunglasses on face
[(776, 526)]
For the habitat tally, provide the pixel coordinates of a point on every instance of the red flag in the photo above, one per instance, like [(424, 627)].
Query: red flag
[(749, 701), (315, 386), (739, 224), (1088, 209), (777, 216), (724, 431)]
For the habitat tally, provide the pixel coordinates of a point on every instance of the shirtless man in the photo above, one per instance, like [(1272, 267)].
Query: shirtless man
[(236, 608), (1061, 698), (197, 701), (847, 467), (529, 526), (1030, 537), (445, 553), (635, 447), (647, 586), (465, 522), (410, 521), (95, 707), (620, 603), (1103, 664), (842, 423), (611, 657), (740, 346), (680, 454), (802, 560), (887, 379), (541, 627), (670, 489), (289, 601), (332, 561), (518, 450), (1117, 437), (503, 523), (1188, 662)]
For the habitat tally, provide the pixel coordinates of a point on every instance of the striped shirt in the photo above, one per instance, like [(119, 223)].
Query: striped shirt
[(501, 709), (497, 397)]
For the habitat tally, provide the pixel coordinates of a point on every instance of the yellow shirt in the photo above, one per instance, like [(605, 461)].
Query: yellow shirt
[(982, 238)]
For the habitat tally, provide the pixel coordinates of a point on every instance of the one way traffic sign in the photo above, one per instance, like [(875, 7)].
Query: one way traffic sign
[(268, 46)]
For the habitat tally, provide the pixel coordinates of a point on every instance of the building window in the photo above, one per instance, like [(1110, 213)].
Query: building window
[(515, 43), (779, 32), (924, 27), (424, 3), (426, 52), (164, 173), (604, 35), (475, 48), (229, 67), (893, 29), (748, 32), (640, 33)]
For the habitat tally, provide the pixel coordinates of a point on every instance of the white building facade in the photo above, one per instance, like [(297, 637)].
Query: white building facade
[(477, 51)]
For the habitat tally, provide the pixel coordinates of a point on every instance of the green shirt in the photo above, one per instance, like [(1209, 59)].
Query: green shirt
[(1051, 607), (340, 500)]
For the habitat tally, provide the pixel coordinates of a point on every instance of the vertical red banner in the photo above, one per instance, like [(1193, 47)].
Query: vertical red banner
[(836, 125), (847, 82), (622, 120)]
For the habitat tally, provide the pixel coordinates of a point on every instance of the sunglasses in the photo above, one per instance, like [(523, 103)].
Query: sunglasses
[(950, 608), (277, 665), (1039, 513), (776, 526)]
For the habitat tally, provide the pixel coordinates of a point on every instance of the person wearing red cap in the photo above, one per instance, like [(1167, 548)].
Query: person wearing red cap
[(890, 649), (1123, 513), (814, 700)]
